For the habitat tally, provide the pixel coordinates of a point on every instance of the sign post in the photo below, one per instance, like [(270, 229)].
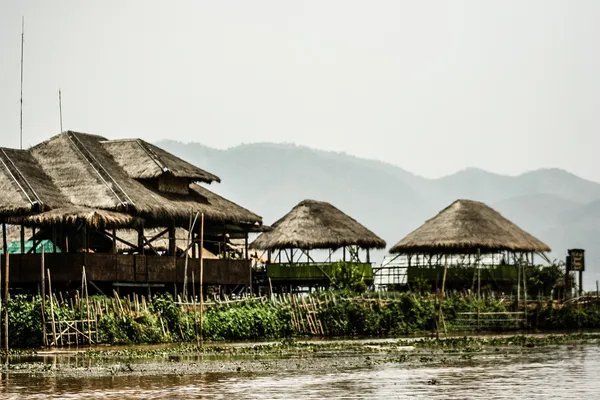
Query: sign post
[(576, 262)]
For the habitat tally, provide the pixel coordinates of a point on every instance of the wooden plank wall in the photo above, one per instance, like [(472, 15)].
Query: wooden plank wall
[(25, 268)]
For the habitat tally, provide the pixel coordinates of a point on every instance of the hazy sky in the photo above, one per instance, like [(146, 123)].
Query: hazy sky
[(431, 86)]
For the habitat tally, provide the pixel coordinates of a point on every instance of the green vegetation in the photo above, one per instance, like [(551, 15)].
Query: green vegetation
[(341, 314)]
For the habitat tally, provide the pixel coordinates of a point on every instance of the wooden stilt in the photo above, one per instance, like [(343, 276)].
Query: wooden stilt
[(6, 281), (22, 239), (4, 241), (51, 307), (43, 292), (195, 309), (442, 295), (201, 279), (87, 307)]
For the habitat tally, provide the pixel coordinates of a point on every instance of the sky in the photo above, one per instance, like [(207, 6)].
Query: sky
[(434, 87)]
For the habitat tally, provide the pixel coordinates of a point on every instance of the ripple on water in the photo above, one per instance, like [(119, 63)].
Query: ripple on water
[(560, 373)]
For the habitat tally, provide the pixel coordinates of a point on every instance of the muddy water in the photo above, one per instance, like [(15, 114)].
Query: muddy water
[(559, 372)]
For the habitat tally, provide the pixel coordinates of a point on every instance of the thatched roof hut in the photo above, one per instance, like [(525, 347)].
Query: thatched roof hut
[(88, 175), (317, 225), (465, 227)]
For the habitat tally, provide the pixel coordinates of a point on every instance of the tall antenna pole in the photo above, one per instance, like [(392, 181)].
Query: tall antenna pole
[(60, 109), (22, 40)]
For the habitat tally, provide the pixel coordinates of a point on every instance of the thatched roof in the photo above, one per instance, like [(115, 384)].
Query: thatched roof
[(71, 215), (24, 187), (317, 225), (88, 176), (466, 226), (142, 160)]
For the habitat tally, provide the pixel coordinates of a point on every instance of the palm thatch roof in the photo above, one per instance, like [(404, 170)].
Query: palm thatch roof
[(465, 227), (24, 186), (72, 215), (88, 176), (317, 225), (142, 160)]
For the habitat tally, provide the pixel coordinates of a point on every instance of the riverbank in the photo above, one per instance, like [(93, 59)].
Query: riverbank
[(286, 355)]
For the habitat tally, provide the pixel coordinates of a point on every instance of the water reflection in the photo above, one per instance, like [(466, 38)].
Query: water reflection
[(565, 372)]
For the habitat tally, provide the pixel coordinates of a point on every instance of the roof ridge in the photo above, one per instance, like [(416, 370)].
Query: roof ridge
[(37, 199), (153, 156), (89, 157)]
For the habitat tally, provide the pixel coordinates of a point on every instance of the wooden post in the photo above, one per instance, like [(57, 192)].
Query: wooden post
[(478, 286), (368, 257), (87, 307), (248, 258), (525, 284), (172, 240), (52, 307), (201, 279), (4, 241), (442, 294), (140, 242), (187, 254), (6, 280), (85, 238), (22, 239), (114, 241), (518, 286), (195, 309), (43, 291)]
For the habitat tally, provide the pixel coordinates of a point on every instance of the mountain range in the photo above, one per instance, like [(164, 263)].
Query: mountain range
[(560, 208)]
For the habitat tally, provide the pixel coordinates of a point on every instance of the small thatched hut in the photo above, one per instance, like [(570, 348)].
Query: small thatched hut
[(317, 225), (467, 226), (467, 234), (314, 225)]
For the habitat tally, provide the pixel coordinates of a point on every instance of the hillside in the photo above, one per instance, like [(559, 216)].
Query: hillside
[(554, 205)]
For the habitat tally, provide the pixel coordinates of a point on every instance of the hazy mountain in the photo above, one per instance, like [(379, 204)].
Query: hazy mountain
[(556, 206)]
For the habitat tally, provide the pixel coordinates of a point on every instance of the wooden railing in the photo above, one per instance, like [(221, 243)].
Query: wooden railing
[(312, 272)]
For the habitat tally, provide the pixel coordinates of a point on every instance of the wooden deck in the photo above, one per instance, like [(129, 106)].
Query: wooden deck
[(26, 269)]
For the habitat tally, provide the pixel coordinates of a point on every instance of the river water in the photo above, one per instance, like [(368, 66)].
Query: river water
[(559, 372)]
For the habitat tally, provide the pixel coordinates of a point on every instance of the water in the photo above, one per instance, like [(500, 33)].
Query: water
[(561, 372)]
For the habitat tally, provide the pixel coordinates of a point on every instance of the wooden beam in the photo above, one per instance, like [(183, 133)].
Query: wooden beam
[(140, 246), (133, 246), (22, 239), (172, 240), (157, 236), (4, 242)]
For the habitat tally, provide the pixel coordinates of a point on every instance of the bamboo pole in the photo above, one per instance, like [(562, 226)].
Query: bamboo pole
[(87, 306), (201, 279), (52, 307), (442, 295), (189, 243), (6, 280), (478, 286), (43, 284), (195, 309)]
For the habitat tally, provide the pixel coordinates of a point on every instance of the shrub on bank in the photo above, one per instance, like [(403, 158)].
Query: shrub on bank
[(391, 314)]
